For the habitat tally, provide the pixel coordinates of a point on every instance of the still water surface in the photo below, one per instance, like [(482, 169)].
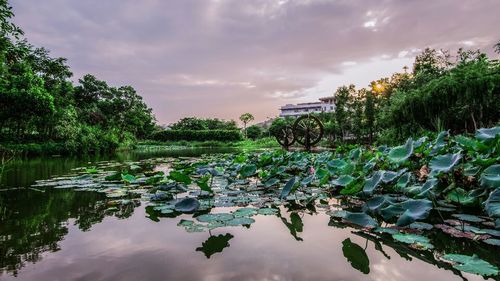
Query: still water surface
[(59, 234)]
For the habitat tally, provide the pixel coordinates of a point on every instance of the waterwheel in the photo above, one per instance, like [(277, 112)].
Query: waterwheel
[(308, 130), (285, 136)]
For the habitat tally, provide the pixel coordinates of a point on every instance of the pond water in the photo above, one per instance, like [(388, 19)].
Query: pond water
[(63, 234)]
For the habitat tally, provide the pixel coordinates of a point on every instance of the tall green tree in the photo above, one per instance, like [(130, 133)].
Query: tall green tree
[(246, 118)]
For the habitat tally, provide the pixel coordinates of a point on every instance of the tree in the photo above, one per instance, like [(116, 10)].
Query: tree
[(342, 98), (370, 113), (246, 118), (255, 132), (497, 47)]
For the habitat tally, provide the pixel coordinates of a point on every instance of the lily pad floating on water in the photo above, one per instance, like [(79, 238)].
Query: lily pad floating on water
[(471, 264), (360, 219), (220, 217), (245, 212), (418, 241), (187, 205), (267, 211), (492, 241), (240, 221), (408, 211), (468, 218)]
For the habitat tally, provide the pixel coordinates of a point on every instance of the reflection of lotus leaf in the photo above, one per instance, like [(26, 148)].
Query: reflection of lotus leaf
[(356, 256), (215, 244)]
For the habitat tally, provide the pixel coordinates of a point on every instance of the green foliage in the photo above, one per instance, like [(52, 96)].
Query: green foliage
[(197, 135), (197, 124), (246, 118), (39, 103), (255, 132), (472, 264)]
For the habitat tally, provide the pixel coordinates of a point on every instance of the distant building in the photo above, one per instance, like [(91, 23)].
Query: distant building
[(326, 104)]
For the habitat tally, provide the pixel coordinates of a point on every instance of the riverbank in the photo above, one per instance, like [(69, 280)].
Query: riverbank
[(62, 148), (269, 142)]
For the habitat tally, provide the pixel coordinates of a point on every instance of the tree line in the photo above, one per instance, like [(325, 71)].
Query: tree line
[(40, 104), (442, 91)]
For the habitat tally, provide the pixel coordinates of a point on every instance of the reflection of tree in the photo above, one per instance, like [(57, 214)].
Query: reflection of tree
[(34, 222), (215, 244), (356, 256)]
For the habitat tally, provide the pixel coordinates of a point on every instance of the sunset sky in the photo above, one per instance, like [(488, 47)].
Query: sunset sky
[(221, 58)]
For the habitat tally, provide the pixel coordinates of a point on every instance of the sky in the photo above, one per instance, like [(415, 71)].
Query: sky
[(222, 58)]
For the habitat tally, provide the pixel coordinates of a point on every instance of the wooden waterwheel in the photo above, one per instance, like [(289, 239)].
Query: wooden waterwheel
[(285, 137), (308, 130)]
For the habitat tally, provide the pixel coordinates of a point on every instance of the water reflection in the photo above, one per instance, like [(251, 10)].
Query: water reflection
[(85, 236), (86, 244), (215, 244), (356, 256), (22, 172), (294, 226)]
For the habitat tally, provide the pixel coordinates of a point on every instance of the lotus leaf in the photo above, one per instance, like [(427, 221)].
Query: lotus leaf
[(472, 264), (248, 170), (414, 239), (343, 180), (401, 153), (491, 176), (187, 205), (444, 163), (486, 134), (493, 204), (372, 182)]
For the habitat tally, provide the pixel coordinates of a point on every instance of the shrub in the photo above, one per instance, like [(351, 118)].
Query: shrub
[(254, 132), (198, 135)]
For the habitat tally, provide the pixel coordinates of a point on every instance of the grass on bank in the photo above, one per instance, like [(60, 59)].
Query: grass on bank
[(269, 142)]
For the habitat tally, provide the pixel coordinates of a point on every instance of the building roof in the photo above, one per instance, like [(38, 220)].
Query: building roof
[(330, 98)]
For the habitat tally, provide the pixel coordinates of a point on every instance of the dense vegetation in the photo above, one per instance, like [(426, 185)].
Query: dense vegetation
[(41, 109), (197, 129), (406, 195), (443, 92), (197, 135)]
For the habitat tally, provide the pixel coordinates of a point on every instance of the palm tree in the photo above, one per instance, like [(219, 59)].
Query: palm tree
[(246, 118)]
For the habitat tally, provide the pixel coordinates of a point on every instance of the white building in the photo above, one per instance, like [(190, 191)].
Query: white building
[(326, 104)]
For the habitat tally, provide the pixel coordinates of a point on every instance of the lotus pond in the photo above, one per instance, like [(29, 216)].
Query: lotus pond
[(428, 209)]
